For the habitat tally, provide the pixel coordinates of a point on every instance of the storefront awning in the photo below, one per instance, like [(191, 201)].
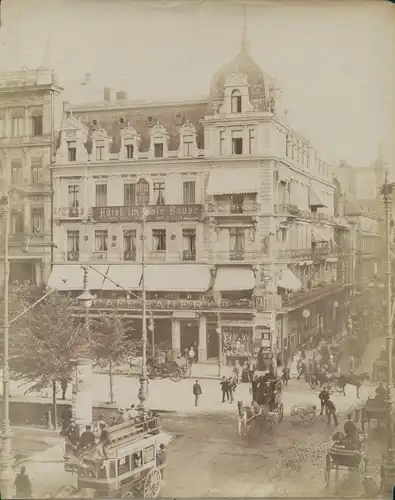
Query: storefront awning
[(128, 276), (308, 262), (331, 259), (314, 200), (66, 278), (177, 278), (318, 237), (224, 181), (231, 278), (289, 281)]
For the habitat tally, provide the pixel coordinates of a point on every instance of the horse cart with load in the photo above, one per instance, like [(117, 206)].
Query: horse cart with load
[(344, 455)]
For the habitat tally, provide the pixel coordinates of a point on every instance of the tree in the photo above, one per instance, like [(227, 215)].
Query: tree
[(47, 345), (111, 345)]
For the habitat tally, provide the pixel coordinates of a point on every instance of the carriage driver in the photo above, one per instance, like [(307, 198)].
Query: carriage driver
[(324, 397)]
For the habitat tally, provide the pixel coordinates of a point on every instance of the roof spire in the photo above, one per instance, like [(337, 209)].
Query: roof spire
[(244, 40)]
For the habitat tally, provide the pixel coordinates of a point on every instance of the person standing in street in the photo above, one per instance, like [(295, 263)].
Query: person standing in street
[(197, 392), (232, 388), (23, 487), (225, 389), (331, 408)]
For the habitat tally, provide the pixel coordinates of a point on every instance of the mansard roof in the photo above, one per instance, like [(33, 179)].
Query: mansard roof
[(114, 118)]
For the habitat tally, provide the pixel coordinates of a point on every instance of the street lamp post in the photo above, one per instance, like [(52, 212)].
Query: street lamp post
[(6, 479), (220, 348), (143, 391), (388, 467)]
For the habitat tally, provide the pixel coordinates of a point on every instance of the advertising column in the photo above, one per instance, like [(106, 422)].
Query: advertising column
[(82, 400)]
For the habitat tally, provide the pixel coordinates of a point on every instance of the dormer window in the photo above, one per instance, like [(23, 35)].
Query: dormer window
[(236, 101), (188, 145), (100, 151), (129, 151), (72, 151), (158, 150)]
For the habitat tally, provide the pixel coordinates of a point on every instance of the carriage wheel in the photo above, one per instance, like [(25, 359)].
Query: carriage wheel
[(281, 413), (152, 484), (175, 376), (127, 494), (327, 469), (187, 371)]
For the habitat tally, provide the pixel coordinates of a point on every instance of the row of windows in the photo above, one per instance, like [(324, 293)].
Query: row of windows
[(187, 148), (299, 153), (36, 221), (19, 128), (129, 194), (237, 142), (159, 242), (36, 171)]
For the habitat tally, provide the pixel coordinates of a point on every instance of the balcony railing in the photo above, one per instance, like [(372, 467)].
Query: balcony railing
[(158, 255), (99, 255), (233, 255), (233, 208), (317, 291), (69, 213), (304, 253), (287, 208), (73, 255), (187, 255), (324, 252), (129, 255)]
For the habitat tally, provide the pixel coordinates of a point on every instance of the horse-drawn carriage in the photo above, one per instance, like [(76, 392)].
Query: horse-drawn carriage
[(266, 409), (345, 455), (374, 409), (128, 464), (173, 370)]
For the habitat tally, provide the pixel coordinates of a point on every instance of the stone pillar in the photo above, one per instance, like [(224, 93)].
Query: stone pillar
[(38, 272), (202, 347), (176, 336), (26, 127), (82, 392)]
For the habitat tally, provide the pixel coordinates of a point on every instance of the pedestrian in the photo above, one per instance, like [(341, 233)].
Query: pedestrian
[(351, 364), (324, 397), (236, 370), (286, 376), (251, 369), (161, 458), (232, 388), (197, 391), (191, 354), (23, 487), (331, 409), (225, 389), (73, 433), (66, 419), (64, 384)]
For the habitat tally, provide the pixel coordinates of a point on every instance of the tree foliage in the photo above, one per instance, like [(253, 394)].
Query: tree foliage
[(110, 342), (48, 343)]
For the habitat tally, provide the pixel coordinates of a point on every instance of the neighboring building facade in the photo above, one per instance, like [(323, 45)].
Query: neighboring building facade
[(29, 109), (240, 235)]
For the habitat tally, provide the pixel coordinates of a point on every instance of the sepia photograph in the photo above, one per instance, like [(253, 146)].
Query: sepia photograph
[(197, 249)]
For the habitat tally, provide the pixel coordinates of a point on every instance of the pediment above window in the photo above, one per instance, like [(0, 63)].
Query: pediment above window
[(130, 141)]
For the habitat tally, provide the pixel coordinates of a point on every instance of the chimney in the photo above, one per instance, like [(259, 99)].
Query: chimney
[(121, 96), (107, 94)]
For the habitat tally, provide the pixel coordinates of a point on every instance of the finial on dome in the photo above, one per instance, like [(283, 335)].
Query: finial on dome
[(244, 40)]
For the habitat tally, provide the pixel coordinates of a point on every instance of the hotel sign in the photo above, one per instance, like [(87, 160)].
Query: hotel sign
[(155, 213), (178, 304)]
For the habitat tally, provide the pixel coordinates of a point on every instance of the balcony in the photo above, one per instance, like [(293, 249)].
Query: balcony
[(158, 255), (287, 208), (299, 254), (188, 255), (234, 256), (73, 255), (326, 251), (318, 291), (99, 255), (69, 213), (233, 208), (129, 255)]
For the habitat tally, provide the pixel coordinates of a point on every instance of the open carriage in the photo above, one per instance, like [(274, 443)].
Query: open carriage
[(344, 455), (129, 464)]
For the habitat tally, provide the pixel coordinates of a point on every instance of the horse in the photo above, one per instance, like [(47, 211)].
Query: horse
[(351, 379)]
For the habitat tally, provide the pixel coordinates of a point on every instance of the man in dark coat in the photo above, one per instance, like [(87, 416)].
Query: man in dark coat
[(197, 391), (350, 430), (23, 487), (225, 389), (87, 439), (73, 432), (331, 408)]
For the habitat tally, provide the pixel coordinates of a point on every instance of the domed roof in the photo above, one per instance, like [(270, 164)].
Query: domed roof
[(245, 65)]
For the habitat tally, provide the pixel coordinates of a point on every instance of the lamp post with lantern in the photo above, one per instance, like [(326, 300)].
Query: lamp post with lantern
[(220, 347)]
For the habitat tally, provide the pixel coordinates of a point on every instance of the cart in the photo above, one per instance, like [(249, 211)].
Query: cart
[(303, 415), (127, 465), (344, 456)]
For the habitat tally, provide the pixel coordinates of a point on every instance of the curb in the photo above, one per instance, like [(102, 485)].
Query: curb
[(128, 374)]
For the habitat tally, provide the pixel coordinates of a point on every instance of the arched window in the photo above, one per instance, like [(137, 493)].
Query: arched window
[(236, 101)]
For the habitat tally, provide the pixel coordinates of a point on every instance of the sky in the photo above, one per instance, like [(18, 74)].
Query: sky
[(334, 61)]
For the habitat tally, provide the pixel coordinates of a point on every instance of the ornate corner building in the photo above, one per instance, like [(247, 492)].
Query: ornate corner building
[(30, 107), (242, 240)]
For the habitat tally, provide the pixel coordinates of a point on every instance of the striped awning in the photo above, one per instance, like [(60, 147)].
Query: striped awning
[(230, 278), (288, 280), (177, 278), (237, 180), (314, 200)]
